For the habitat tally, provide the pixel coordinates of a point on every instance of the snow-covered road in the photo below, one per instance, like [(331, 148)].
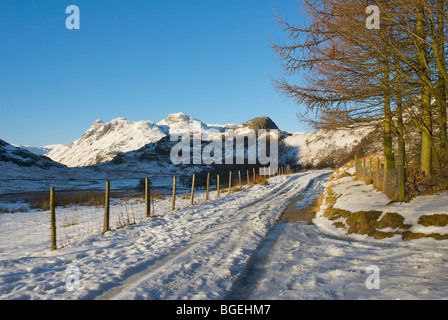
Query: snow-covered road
[(229, 248), (303, 263), (207, 266), (193, 253)]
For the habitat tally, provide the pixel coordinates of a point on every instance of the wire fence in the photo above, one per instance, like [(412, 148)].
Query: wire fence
[(373, 172), (71, 217)]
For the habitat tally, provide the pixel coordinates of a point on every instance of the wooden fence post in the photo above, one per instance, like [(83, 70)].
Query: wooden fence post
[(147, 198), (173, 200), (217, 186), (254, 176), (364, 168), (248, 177), (106, 208), (53, 218), (192, 190), (208, 186), (385, 175), (356, 165), (230, 182), (239, 179), (401, 171)]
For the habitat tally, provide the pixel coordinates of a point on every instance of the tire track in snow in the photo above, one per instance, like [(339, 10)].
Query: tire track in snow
[(253, 273), (208, 266)]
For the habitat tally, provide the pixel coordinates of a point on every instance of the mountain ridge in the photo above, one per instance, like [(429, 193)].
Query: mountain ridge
[(103, 141), (125, 151), (120, 140)]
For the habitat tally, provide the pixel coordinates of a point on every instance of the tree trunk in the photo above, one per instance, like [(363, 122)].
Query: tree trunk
[(426, 149), (426, 120), (387, 135), (401, 146), (442, 72)]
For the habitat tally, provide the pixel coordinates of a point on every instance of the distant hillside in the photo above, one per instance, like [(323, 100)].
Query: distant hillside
[(24, 158), (43, 150), (126, 151), (330, 148)]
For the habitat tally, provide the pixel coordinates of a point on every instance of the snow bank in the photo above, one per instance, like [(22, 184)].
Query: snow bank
[(356, 196)]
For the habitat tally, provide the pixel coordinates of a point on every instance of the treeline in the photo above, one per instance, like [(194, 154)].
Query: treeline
[(364, 65)]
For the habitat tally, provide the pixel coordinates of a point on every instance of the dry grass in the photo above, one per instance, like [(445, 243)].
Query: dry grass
[(65, 199), (411, 236), (126, 218), (157, 196), (392, 220), (236, 189), (153, 196), (438, 220), (416, 182), (331, 212), (369, 222), (12, 210), (363, 222), (263, 180), (186, 196), (70, 222), (85, 198)]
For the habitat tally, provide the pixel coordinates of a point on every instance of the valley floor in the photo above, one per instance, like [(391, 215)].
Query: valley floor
[(233, 248)]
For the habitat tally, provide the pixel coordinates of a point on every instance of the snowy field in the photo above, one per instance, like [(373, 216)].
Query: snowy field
[(230, 248)]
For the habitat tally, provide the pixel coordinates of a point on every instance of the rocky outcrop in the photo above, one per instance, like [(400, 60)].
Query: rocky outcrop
[(260, 123)]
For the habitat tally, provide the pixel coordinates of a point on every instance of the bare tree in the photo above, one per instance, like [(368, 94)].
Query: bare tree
[(357, 76)]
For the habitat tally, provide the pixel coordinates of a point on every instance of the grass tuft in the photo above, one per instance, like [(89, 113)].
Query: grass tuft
[(438, 220)]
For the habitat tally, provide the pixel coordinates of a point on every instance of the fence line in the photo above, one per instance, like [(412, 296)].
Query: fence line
[(26, 233), (375, 174)]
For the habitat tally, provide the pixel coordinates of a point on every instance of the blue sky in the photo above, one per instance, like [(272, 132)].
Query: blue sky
[(138, 59)]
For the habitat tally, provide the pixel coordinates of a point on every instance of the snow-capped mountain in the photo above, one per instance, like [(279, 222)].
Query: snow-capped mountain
[(126, 151), (103, 141), (106, 142), (121, 141)]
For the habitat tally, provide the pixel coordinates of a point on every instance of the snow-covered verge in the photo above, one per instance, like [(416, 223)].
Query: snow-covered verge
[(353, 209), (308, 264), (323, 261)]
